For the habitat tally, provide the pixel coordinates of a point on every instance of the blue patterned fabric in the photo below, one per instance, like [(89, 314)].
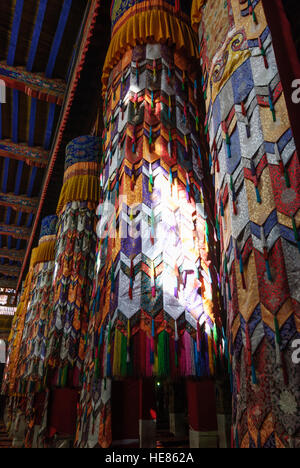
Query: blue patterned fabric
[(49, 225), (119, 7), (83, 149)]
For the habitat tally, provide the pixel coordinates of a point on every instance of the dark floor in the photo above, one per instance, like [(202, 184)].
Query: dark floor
[(164, 439)]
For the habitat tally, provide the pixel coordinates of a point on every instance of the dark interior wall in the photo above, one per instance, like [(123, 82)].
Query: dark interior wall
[(286, 54), (1, 373), (292, 10)]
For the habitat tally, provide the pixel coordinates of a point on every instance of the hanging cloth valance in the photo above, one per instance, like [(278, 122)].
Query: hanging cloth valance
[(149, 26), (79, 188), (44, 252)]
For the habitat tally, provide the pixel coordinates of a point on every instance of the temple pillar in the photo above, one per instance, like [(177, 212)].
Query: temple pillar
[(31, 370), (74, 258), (255, 162), (125, 403), (72, 280), (133, 413), (155, 297), (62, 417), (202, 411)]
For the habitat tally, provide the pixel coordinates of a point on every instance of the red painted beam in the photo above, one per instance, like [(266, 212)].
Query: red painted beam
[(19, 203), (33, 156), (33, 84), (10, 270), (11, 254), (16, 232)]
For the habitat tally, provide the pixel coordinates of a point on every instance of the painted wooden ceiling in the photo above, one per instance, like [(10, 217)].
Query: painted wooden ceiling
[(38, 44)]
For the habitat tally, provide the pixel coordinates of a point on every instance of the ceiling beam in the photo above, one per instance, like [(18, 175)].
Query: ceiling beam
[(33, 156), (62, 136), (36, 34), (19, 203), (15, 231), (8, 283), (19, 4), (33, 84), (13, 255), (12, 271), (65, 11)]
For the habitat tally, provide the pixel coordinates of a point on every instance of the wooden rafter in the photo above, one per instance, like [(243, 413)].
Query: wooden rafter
[(33, 156), (10, 270), (19, 203), (11, 254), (33, 84), (15, 231)]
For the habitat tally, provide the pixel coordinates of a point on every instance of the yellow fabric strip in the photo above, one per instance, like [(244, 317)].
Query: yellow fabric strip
[(154, 26), (148, 5), (44, 252), (79, 188), (196, 13), (90, 168), (20, 327), (47, 239)]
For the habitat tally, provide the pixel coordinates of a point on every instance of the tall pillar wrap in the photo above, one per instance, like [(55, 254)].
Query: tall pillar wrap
[(155, 308), (74, 261), (34, 339), (256, 170)]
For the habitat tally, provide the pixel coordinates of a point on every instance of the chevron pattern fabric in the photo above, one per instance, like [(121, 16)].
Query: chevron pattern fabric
[(11, 351), (156, 308), (256, 172), (153, 260), (30, 376), (74, 261), (33, 348), (30, 373), (24, 373)]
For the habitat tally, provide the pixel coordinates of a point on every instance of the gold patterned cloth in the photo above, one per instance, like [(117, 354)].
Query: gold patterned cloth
[(256, 170)]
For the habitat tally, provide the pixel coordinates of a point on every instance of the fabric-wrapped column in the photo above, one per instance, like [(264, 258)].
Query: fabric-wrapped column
[(203, 423), (31, 370), (9, 381), (24, 364), (154, 260), (156, 302), (6, 390), (74, 261), (16, 416), (256, 169)]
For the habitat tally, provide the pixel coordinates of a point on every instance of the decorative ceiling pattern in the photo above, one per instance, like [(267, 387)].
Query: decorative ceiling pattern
[(38, 44)]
